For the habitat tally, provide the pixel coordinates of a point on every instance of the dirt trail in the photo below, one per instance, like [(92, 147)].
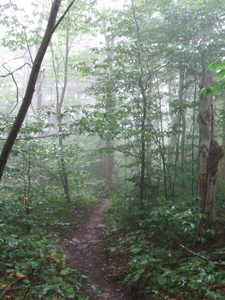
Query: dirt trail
[(85, 249)]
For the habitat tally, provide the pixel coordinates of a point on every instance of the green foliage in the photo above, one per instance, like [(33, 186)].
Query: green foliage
[(19, 30), (150, 61), (31, 256), (155, 262), (34, 260), (219, 67), (34, 168)]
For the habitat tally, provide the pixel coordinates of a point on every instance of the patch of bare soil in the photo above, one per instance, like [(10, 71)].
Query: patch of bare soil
[(86, 252)]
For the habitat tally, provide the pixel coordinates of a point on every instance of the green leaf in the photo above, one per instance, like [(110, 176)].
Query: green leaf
[(166, 273), (215, 65), (161, 280), (47, 289), (64, 272), (26, 281), (136, 249), (221, 73), (207, 90), (96, 289)]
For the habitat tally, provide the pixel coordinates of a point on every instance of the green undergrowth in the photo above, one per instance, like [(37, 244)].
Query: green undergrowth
[(33, 262), (159, 252)]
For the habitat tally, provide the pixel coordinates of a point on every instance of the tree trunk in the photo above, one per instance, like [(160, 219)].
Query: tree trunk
[(51, 27), (143, 145), (222, 162), (161, 146), (63, 173), (60, 97), (193, 147), (177, 119), (178, 140), (108, 107), (108, 167), (209, 151), (144, 103)]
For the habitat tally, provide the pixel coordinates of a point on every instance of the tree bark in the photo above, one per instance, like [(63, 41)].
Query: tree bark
[(222, 162), (209, 151), (194, 185)]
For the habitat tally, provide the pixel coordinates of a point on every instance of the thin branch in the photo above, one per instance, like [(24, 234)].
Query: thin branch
[(202, 257), (17, 94), (41, 137), (14, 80), (10, 286), (63, 16), (28, 47), (194, 253), (11, 73)]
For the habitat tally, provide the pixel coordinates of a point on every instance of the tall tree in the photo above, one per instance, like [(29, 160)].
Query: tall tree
[(144, 96), (110, 103), (210, 153), (60, 98)]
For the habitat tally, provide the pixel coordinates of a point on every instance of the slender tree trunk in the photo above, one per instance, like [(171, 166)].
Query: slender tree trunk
[(64, 174), (60, 97), (39, 90), (222, 162), (108, 108), (177, 121), (144, 112), (143, 145), (193, 155), (209, 151), (108, 166), (162, 148)]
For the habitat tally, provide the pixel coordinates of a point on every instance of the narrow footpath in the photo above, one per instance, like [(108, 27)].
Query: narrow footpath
[(86, 252)]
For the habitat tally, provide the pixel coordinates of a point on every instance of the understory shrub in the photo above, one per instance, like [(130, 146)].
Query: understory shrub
[(33, 263), (157, 256)]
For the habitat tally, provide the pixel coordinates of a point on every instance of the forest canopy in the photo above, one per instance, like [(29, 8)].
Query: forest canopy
[(127, 104)]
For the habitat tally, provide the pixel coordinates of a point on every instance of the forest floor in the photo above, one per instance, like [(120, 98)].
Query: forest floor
[(85, 248)]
